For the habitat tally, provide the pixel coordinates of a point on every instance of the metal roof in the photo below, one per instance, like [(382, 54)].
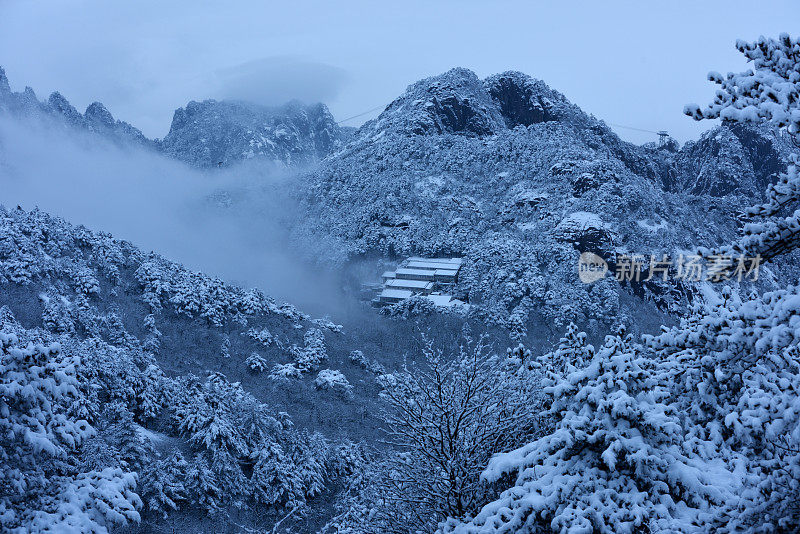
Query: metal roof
[(415, 284), (458, 261), (396, 293), (418, 264), (415, 272)]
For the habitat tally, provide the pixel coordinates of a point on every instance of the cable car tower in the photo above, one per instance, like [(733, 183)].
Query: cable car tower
[(663, 138)]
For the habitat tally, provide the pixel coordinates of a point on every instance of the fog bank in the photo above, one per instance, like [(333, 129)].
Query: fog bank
[(225, 223)]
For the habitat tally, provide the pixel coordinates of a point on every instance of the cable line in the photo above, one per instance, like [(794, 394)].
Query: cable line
[(632, 128), (360, 114)]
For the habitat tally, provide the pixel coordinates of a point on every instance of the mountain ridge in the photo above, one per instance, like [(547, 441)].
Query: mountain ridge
[(456, 101), (204, 134)]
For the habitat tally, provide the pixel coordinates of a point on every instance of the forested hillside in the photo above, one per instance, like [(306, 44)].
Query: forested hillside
[(137, 395), (509, 174)]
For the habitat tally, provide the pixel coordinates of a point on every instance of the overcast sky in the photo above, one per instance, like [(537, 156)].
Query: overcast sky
[(629, 63)]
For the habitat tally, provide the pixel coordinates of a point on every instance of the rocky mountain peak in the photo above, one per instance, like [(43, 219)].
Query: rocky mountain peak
[(523, 100), (453, 102), (98, 119), (732, 158), (5, 88), (61, 105), (457, 101), (97, 114), (219, 133)]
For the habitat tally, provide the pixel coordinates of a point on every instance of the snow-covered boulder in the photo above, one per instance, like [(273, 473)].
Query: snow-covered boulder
[(333, 380)]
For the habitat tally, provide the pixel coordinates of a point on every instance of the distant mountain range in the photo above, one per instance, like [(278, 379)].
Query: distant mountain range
[(725, 160), (203, 134)]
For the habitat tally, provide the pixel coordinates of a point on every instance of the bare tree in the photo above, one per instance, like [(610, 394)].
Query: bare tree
[(446, 421)]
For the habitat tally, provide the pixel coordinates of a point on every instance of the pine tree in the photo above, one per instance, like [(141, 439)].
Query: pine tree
[(276, 479), (152, 393), (614, 463), (203, 486), (256, 363), (747, 377), (133, 451), (572, 353), (164, 484), (39, 489)]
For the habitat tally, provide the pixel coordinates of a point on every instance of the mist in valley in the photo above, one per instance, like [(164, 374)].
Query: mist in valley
[(227, 222)]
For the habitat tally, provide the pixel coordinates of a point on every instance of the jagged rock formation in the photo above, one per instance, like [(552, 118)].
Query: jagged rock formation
[(95, 119), (212, 133), (524, 101), (459, 102), (203, 134), (732, 159)]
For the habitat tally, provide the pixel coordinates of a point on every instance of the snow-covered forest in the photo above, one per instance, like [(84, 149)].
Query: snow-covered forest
[(190, 339)]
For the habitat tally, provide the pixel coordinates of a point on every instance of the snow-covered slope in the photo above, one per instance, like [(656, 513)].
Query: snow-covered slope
[(163, 358), (496, 170)]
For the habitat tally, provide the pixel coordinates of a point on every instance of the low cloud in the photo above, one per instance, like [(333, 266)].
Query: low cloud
[(276, 80), (224, 223)]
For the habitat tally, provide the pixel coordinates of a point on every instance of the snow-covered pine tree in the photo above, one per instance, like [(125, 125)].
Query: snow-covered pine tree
[(614, 463), (286, 473), (203, 486), (572, 353), (275, 479), (256, 362), (225, 348), (747, 377), (90, 502), (211, 431), (39, 489), (164, 485), (257, 423), (132, 449), (734, 368), (152, 393), (153, 340)]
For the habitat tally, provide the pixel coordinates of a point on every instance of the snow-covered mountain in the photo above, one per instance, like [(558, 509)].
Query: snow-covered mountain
[(57, 109), (212, 133), (732, 159), (509, 174), (203, 134), (504, 171)]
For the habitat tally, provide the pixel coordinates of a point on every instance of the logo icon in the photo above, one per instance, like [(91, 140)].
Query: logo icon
[(591, 267)]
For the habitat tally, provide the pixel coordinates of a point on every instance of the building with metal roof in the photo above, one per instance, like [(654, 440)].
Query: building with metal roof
[(420, 276)]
